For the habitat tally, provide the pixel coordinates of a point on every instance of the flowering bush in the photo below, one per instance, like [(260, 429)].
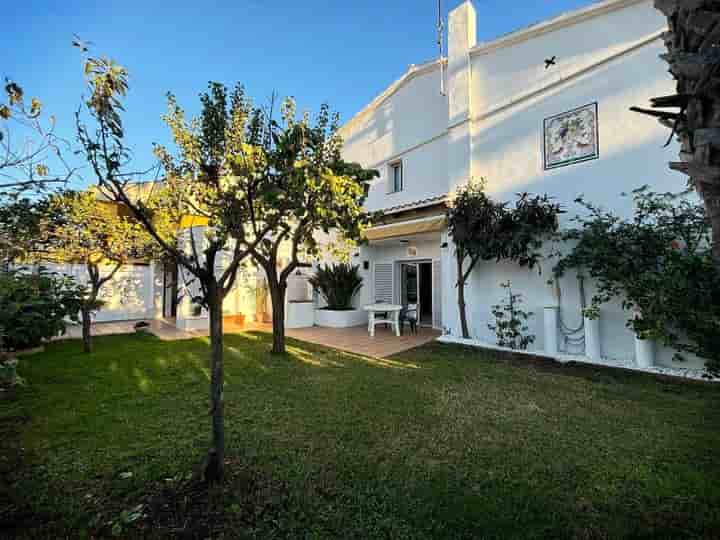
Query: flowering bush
[(659, 265)]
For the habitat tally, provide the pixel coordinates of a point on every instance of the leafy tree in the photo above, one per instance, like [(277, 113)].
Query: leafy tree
[(310, 189), (484, 230), (80, 229), (21, 225), (693, 54), (659, 265), (210, 189), (28, 143)]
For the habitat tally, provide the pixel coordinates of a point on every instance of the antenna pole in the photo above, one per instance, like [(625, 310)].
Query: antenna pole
[(440, 42)]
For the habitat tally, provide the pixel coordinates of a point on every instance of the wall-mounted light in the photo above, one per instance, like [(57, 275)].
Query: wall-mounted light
[(443, 245), (366, 265)]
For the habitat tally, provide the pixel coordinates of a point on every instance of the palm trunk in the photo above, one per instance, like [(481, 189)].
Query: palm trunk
[(86, 329), (277, 296), (711, 199), (461, 298), (692, 41), (214, 469)]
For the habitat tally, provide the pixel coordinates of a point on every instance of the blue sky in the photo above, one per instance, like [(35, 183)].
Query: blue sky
[(343, 53)]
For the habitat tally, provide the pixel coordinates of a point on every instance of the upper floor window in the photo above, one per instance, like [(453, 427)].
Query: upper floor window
[(395, 180)]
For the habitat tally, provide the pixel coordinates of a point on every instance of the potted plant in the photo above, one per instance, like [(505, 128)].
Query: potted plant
[(338, 284)]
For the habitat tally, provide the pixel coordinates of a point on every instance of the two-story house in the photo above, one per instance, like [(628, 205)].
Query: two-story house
[(544, 109)]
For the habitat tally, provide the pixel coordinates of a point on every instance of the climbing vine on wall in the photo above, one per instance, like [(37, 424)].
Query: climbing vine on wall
[(658, 264), (511, 321)]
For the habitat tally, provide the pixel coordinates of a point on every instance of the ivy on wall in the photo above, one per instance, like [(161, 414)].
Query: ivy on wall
[(659, 264)]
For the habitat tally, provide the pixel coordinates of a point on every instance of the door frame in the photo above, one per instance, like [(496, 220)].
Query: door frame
[(397, 283)]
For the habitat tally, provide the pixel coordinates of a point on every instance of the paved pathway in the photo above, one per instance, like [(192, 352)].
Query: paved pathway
[(355, 339)]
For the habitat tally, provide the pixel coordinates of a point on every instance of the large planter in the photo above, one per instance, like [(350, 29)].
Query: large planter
[(299, 314), (193, 323), (341, 318)]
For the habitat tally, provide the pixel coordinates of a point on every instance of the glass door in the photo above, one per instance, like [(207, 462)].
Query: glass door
[(410, 284)]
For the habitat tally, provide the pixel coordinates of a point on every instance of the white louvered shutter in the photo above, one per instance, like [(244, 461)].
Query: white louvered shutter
[(383, 282)]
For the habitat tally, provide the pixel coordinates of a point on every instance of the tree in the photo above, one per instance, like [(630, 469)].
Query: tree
[(21, 226), (27, 149), (693, 43), (483, 229), (210, 189), (80, 229), (311, 189), (658, 263)]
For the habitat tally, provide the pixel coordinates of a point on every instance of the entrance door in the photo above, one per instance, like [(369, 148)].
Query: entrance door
[(416, 288)]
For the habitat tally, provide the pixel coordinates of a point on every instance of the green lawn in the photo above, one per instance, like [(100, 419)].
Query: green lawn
[(440, 442)]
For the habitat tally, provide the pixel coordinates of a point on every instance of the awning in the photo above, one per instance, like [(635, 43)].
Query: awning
[(193, 221), (434, 224)]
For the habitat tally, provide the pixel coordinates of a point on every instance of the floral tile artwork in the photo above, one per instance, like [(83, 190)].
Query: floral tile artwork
[(571, 137)]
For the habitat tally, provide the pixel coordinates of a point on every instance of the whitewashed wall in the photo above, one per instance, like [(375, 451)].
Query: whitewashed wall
[(127, 296), (507, 148), (601, 60), (410, 125)]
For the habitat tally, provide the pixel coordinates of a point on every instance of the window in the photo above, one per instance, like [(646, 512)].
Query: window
[(395, 180)]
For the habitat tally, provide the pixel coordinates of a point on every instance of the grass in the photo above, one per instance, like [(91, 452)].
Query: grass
[(440, 442)]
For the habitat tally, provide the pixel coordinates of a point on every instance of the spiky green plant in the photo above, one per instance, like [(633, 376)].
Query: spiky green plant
[(338, 284)]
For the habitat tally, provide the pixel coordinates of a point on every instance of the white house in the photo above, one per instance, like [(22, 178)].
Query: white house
[(502, 117), (544, 109)]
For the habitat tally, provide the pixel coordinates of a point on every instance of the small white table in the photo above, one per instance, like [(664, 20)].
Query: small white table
[(392, 309)]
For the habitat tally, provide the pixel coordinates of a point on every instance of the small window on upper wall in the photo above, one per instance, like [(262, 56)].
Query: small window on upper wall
[(395, 177)]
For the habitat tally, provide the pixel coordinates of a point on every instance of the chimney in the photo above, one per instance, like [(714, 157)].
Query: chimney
[(462, 37)]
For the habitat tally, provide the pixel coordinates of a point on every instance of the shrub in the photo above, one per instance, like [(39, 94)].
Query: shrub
[(511, 321), (35, 306), (338, 284), (8, 373), (659, 264)]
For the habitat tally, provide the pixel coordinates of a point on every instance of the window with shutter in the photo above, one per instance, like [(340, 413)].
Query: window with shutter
[(383, 282)]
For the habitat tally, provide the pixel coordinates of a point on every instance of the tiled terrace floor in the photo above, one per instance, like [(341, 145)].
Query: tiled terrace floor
[(355, 339)]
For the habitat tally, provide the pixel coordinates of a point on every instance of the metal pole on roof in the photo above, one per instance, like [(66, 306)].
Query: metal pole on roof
[(440, 42)]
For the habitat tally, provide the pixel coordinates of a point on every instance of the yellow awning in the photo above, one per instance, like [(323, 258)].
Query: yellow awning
[(193, 221), (405, 229)]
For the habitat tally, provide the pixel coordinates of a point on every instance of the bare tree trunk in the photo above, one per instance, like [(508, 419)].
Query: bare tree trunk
[(86, 329), (461, 298), (215, 465), (277, 296)]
